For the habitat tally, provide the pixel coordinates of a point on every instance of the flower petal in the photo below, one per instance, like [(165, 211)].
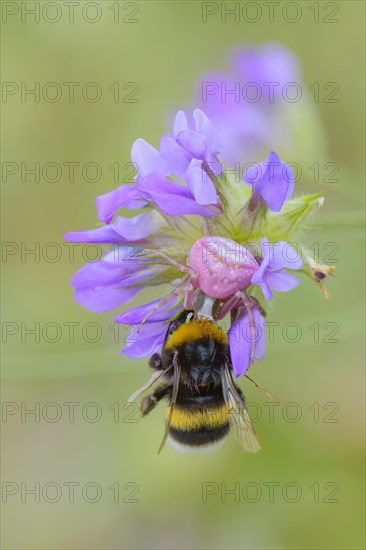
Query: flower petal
[(260, 346), (282, 282), (136, 315), (180, 123), (148, 341), (147, 159), (173, 199), (105, 234), (125, 195), (239, 351), (258, 277), (123, 230), (261, 281), (270, 273), (200, 184), (273, 180), (205, 126), (177, 157), (100, 273), (277, 184), (283, 255), (101, 299), (138, 228), (195, 143), (240, 341), (103, 285)]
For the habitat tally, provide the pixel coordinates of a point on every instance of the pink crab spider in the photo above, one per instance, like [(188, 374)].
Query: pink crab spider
[(218, 272)]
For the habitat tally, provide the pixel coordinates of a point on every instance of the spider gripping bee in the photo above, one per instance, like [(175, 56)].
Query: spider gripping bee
[(196, 377)]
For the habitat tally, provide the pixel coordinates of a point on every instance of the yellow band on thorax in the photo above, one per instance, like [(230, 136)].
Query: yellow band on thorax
[(195, 330)]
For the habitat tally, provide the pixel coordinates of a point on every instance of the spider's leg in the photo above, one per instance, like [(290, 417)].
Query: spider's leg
[(229, 304), (180, 289), (173, 262)]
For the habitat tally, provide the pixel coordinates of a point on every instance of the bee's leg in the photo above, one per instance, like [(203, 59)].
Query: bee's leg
[(154, 378), (150, 401), (155, 362)]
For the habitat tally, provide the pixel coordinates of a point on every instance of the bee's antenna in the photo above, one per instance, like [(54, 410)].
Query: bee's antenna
[(271, 395)]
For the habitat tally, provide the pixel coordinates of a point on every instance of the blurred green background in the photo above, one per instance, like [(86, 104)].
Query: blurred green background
[(165, 52)]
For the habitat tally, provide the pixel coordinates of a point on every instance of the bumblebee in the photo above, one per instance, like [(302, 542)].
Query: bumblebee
[(196, 378)]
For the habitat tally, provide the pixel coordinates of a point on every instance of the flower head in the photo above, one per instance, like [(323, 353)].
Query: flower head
[(270, 273), (193, 239), (272, 182), (260, 100), (270, 67), (182, 156)]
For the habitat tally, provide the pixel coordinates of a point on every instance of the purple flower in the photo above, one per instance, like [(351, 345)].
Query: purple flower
[(111, 282), (202, 142), (127, 196), (270, 273), (151, 337), (243, 126), (147, 159), (201, 187), (240, 340), (272, 181), (249, 104), (136, 315), (177, 158), (270, 67), (146, 342), (121, 231), (169, 197), (182, 155), (198, 141), (178, 200)]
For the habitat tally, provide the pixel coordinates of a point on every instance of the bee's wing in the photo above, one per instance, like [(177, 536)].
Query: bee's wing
[(175, 388), (238, 414)]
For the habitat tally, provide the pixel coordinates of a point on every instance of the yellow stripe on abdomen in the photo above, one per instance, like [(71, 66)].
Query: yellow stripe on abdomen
[(185, 419)]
